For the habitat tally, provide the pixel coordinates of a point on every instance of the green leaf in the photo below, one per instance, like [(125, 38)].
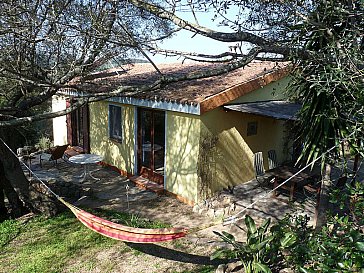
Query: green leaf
[(228, 236), (262, 243), (288, 239), (250, 224), (261, 267), (360, 246), (264, 226), (304, 270)]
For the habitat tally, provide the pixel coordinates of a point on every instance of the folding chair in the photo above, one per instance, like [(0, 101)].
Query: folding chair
[(53, 155), (272, 159), (313, 188), (260, 174)]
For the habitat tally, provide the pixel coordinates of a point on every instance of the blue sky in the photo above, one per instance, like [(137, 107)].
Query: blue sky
[(186, 41)]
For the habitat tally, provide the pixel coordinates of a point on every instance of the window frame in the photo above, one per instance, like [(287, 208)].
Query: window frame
[(252, 128), (112, 123)]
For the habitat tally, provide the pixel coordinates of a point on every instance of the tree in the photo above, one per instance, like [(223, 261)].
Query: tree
[(329, 85), (323, 40), (46, 46)]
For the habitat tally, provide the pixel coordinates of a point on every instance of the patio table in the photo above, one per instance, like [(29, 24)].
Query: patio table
[(86, 160), (286, 171)]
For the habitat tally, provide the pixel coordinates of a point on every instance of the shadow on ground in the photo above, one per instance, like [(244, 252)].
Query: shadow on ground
[(175, 255)]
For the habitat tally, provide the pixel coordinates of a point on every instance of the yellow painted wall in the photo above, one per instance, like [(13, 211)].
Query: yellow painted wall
[(272, 91), (234, 155), (182, 146), (117, 154), (232, 160), (230, 163)]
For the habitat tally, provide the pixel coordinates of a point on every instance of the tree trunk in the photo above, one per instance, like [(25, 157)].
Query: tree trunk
[(356, 164), (16, 206), (323, 200), (3, 209), (22, 195)]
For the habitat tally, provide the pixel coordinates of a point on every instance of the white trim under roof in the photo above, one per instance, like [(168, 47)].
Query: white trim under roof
[(187, 108)]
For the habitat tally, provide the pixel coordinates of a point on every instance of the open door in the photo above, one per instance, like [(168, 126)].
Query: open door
[(78, 125), (151, 144)]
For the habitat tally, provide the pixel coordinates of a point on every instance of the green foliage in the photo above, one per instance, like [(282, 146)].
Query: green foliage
[(44, 143), (337, 247), (262, 250), (328, 81), (356, 201)]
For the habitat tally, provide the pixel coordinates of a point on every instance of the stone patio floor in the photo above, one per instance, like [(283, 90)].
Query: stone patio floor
[(111, 192)]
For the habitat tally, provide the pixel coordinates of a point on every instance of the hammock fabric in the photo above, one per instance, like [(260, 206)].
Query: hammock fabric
[(125, 233)]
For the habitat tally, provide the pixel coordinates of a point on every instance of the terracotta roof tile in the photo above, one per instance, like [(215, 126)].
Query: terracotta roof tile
[(193, 91)]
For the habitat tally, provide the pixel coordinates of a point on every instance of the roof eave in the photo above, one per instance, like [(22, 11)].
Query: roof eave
[(239, 90)]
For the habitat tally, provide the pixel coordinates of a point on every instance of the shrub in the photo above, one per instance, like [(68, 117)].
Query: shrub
[(337, 247)]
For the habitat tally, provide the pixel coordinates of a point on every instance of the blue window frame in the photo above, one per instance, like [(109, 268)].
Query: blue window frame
[(115, 128)]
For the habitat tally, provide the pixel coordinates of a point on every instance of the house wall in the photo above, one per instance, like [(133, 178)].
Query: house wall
[(120, 155), (272, 91), (182, 148), (231, 160), (59, 123)]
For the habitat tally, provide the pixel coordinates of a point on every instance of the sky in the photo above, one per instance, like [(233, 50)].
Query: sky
[(187, 41)]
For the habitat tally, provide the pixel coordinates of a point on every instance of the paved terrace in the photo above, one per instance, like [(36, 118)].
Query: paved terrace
[(111, 192)]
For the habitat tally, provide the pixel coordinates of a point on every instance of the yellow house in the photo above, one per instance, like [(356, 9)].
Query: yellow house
[(191, 138)]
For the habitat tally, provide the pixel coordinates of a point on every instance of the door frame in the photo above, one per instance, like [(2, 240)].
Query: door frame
[(141, 170), (73, 128)]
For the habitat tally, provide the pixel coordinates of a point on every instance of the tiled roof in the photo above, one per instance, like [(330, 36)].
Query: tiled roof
[(193, 91)]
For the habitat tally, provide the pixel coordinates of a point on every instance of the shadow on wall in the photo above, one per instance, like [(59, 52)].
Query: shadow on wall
[(232, 156), (234, 163), (119, 154)]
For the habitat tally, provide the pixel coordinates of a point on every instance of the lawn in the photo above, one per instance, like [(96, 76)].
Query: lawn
[(63, 244)]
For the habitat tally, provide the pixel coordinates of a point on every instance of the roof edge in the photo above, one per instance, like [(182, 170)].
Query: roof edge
[(239, 90)]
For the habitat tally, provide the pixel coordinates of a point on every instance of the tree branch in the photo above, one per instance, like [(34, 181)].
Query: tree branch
[(239, 36), (132, 90)]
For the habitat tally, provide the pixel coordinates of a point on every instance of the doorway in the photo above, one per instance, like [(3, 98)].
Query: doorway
[(151, 144), (78, 127)]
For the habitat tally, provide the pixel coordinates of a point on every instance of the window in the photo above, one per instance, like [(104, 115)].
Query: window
[(115, 123), (252, 128)]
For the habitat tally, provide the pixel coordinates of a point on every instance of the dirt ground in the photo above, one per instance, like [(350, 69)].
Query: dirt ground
[(112, 191), (189, 254)]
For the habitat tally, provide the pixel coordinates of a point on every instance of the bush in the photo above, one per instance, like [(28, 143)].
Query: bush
[(292, 243)]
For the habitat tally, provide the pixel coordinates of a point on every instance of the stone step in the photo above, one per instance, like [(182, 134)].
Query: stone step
[(146, 184)]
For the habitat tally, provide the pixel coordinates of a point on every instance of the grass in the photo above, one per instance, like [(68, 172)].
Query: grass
[(49, 245), (9, 229), (63, 244)]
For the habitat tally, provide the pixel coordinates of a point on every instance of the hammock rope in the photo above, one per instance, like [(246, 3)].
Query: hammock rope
[(144, 235), (122, 232), (114, 230), (233, 219)]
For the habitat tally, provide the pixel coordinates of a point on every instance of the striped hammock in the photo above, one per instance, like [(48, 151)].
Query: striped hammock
[(117, 231), (125, 233)]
